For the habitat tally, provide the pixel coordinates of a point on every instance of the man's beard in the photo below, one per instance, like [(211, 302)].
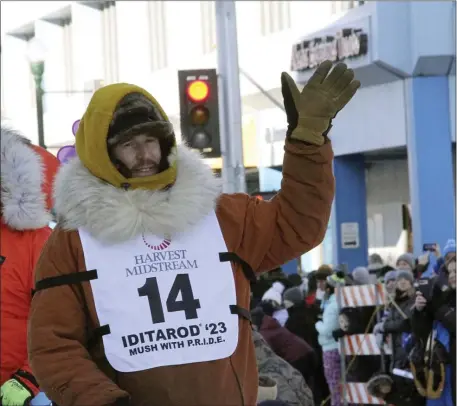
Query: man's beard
[(145, 164), (128, 173)]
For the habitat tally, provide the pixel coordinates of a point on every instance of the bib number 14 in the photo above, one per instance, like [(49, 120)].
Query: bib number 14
[(188, 304)]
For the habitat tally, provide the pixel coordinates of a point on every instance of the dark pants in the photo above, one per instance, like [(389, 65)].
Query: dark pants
[(272, 403), (307, 366), (316, 381)]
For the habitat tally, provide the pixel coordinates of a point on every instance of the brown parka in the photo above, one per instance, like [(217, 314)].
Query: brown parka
[(66, 357)]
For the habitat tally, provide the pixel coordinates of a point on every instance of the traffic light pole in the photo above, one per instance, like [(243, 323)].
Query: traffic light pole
[(229, 98)]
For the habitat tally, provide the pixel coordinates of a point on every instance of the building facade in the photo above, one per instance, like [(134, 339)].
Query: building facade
[(395, 142), (93, 43), (144, 42)]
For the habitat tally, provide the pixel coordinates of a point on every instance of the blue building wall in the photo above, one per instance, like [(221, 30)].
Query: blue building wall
[(414, 37), (406, 38), (410, 65), (350, 209), (430, 161), (452, 104)]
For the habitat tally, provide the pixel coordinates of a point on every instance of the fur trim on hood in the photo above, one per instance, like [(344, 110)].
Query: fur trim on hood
[(22, 176), (114, 215)]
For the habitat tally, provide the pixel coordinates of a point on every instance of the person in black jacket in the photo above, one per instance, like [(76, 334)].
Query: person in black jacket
[(435, 310), (398, 322), (301, 322), (396, 389)]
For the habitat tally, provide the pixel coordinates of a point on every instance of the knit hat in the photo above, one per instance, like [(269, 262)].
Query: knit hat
[(294, 279), (449, 247), (361, 276), (390, 276), (375, 259), (408, 258), (293, 296), (274, 294), (401, 274), (375, 267)]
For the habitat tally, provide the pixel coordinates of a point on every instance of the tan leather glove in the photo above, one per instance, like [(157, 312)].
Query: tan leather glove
[(318, 103)]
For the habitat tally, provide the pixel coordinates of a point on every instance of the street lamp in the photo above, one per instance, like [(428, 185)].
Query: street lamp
[(36, 54)]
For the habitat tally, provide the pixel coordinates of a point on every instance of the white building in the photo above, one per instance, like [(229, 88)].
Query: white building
[(146, 42)]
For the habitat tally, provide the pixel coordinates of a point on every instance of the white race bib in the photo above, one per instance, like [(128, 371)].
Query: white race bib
[(166, 300)]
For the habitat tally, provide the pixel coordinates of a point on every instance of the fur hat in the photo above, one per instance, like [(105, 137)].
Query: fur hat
[(376, 383), (323, 272), (136, 114)]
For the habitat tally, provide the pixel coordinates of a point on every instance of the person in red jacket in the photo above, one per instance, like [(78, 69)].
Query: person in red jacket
[(27, 173)]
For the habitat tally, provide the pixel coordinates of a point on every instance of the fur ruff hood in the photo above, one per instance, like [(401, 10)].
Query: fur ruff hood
[(114, 215), (22, 176)]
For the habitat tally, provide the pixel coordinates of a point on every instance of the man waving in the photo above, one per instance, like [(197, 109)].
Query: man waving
[(143, 288)]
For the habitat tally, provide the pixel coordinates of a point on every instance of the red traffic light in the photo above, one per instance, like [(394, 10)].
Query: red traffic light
[(198, 91)]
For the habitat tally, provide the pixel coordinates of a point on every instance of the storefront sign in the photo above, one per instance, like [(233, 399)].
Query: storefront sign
[(347, 43)]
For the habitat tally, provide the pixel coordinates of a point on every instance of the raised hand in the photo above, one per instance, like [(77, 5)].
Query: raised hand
[(310, 111)]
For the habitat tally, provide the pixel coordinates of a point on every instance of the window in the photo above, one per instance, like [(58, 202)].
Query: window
[(340, 6), (274, 16), (157, 34), (208, 23), (110, 52)]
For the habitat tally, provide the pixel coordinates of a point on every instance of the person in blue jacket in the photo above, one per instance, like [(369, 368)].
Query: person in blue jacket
[(438, 263), (325, 328), (433, 324)]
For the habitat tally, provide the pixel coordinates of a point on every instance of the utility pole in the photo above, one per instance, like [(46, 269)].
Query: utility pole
[(229, 98), (38, 71)]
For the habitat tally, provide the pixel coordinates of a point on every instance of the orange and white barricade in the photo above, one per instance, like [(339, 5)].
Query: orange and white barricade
[(357, 394), (358, 345), (364, 295)]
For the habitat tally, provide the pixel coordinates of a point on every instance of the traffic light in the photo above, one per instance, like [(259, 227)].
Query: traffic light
[(200, 111)]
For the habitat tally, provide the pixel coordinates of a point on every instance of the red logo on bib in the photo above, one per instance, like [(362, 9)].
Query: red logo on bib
[(158, 247)]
